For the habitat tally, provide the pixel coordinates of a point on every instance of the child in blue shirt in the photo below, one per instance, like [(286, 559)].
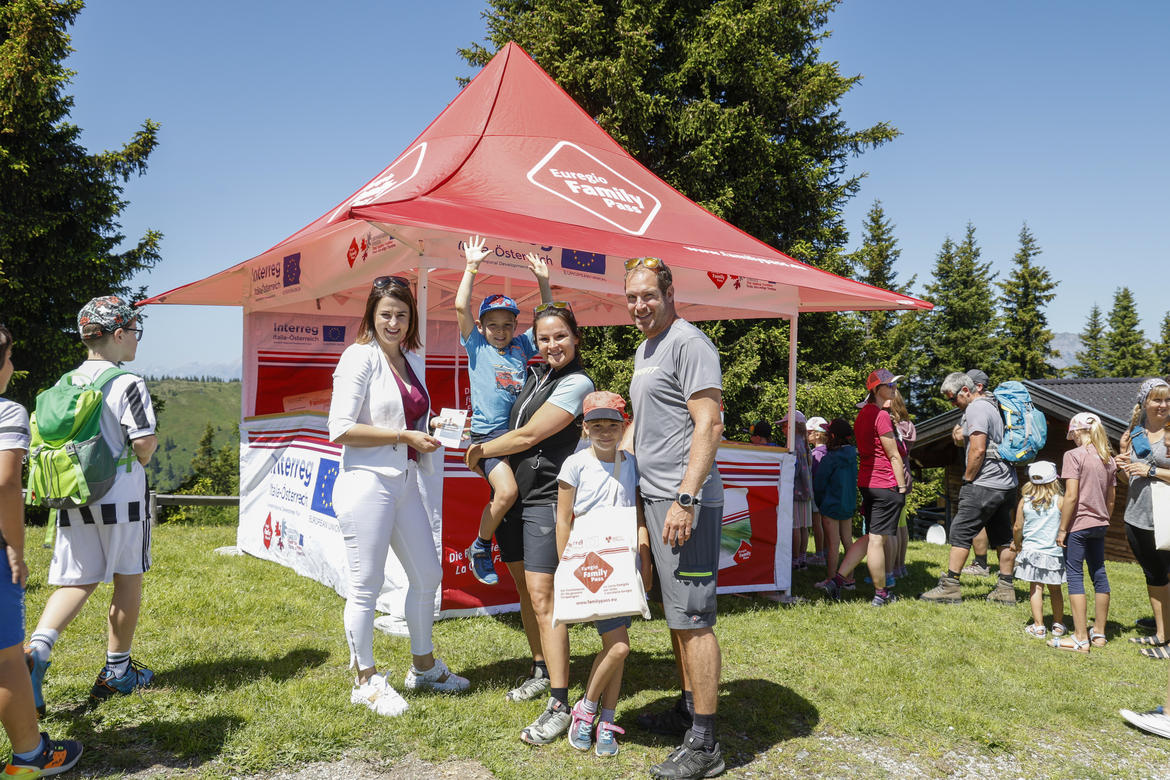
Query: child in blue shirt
[(496, 360)]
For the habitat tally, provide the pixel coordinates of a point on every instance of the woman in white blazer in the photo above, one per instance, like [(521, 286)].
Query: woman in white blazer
[(380, 412)]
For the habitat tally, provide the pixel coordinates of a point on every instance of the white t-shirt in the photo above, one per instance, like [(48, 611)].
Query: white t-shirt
[(595, 481), (128, 415), (14, 433)]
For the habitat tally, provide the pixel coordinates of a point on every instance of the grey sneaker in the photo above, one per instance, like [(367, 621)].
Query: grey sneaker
[(690, 760), (437, 678), (529, 688), (551, 724), (976, 569), (946, 592), (881, 601), (1003, 593)]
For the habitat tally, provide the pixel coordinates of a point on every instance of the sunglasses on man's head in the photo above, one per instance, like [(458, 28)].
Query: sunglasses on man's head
[(382, 282), (646, 262), (553, 305)]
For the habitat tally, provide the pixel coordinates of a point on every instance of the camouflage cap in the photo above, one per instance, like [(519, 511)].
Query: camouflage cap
[(104, 315)]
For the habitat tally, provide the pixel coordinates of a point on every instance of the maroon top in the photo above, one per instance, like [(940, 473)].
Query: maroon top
[(415, 405)]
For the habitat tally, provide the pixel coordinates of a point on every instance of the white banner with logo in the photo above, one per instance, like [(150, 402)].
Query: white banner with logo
[(287, 470)]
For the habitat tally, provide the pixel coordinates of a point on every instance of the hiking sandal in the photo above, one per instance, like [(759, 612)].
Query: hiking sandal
[(1035, 631), (1098, 639), (1160, 652), (1148, 641), (1058, 629), (1072, 644)]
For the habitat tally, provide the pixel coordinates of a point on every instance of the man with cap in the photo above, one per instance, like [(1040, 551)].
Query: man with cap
[(979, 566), (108, 540), (987, 498), (677, 392)]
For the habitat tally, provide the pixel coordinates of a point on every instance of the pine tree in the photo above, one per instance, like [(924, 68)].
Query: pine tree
[(883, 339), (1162, 349), (960, 332), (59, 204), (1025, 340), (1091, 358), (1127, 353)]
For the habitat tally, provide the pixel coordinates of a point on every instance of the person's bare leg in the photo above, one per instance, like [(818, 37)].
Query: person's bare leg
[(63, 605), (16, 701), (703, 661), (527, 616), (124, 608), (876, 559), (605, 681), (1056, 596), (832, 547), (554, 640), (853, 556)]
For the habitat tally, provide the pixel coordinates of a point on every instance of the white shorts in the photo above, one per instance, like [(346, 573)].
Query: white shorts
[(90, 553)]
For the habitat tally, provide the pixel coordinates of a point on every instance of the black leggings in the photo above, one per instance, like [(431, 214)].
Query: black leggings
[(1155, 563)]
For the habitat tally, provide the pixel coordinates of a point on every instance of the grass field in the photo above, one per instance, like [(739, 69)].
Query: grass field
[(189, 406), (251, 678)]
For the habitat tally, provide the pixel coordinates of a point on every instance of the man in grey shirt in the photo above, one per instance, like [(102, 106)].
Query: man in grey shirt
[(677, 393), (987, 499)]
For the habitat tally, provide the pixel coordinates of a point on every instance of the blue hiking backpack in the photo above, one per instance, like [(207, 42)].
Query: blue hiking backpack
[(1024, 428)]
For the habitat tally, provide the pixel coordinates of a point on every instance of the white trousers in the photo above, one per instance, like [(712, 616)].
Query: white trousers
[(377, 513)]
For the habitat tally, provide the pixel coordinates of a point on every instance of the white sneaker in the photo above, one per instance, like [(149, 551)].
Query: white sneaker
[(1153, 721), (437, 678), (379, 696)]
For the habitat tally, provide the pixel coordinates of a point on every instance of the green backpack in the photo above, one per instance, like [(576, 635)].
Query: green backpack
[(70, 465)]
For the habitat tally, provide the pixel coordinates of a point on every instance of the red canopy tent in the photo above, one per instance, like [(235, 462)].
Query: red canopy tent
[(514, 159)]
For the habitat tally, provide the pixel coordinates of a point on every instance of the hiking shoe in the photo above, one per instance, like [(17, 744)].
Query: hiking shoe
[(552, 723), (881, 601), (437, 678), (36, 671), (849, 585), (581, 727), (946, 592), (528, 688), (479, 560), (607, 744), (1154, 721), (379, 696), (977, 569), (672, 722), (1003, 593), (107, 684), (56, 756), (690, 760), (832, 589)]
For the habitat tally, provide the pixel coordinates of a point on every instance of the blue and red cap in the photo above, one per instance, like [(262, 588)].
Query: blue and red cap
[(498, 301)]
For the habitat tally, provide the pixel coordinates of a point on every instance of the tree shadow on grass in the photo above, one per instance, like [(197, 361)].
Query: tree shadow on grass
[(234, 672), (179, 745), (754, 716)]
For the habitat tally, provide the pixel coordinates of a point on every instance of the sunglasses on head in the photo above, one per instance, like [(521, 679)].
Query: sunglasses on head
[(382, 282), (646, 262), (553, 305)]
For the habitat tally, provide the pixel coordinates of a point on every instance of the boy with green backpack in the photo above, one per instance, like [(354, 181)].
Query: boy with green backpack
[(92, 434)]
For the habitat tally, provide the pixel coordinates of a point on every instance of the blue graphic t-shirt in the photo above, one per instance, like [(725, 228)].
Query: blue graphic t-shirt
[(496, 378)]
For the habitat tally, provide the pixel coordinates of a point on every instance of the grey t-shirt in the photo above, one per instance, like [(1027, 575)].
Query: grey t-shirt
[(982, 416), (1139, 502), (668, 370)]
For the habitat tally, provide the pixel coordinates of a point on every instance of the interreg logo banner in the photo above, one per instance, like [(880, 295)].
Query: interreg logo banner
[(513, 254), (574, 175), (327, 470), (587, 262), (292, 270), (333, 333)]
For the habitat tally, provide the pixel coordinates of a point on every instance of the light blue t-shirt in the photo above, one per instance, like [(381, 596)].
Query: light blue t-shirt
[(496, 378), (1040, 527)]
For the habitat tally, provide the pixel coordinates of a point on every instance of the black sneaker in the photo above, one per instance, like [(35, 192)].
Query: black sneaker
[(56, 756), (671, 722), (690, 760)]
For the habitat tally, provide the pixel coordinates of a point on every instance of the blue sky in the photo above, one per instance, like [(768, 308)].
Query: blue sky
[(1050, 113)]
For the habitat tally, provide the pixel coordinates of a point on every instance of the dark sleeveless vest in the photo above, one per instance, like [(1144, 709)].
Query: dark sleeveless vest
[(537, 468)]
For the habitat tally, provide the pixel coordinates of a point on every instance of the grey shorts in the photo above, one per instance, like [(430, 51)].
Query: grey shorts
[(536, 526), (983, 507), (487, 464), (687, 574)]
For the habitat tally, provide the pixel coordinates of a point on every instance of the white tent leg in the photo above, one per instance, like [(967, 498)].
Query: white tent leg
[(420, 299), (791, 381)]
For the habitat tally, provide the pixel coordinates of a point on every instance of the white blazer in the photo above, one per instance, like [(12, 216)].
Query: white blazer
[(365, 391)]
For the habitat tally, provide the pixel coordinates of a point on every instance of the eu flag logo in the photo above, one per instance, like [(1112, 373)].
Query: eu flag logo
[(334, 333), (327, 470), (292, 270), (590, 262)]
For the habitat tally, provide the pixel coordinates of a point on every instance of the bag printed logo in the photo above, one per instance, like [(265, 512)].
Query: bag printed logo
[(593, 572)]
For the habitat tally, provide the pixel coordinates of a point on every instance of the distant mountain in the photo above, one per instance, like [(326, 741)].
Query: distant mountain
[(1066, 345), (226, 371)]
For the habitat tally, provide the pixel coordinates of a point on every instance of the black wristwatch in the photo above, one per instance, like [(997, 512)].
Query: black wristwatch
[(1153, 472), (686, 499)]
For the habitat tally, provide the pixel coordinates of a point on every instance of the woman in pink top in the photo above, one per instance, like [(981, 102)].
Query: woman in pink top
[(1089, 488)]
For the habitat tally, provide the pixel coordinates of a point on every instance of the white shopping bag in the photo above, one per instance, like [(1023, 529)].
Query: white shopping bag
[(597, 577), (1160, 503)]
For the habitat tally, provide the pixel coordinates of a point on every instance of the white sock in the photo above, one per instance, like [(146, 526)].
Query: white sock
[(118, 663), (41, 643)]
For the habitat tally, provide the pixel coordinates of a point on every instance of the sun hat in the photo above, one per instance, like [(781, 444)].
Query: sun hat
[(1042, 472), (498, 301), (104, 315), (818, 424), (604, 405), (1081, 421), (882, 377), (761, 428), (799, 418)]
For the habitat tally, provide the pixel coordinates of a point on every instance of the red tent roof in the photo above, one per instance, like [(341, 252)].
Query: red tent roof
[(514, 158)]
